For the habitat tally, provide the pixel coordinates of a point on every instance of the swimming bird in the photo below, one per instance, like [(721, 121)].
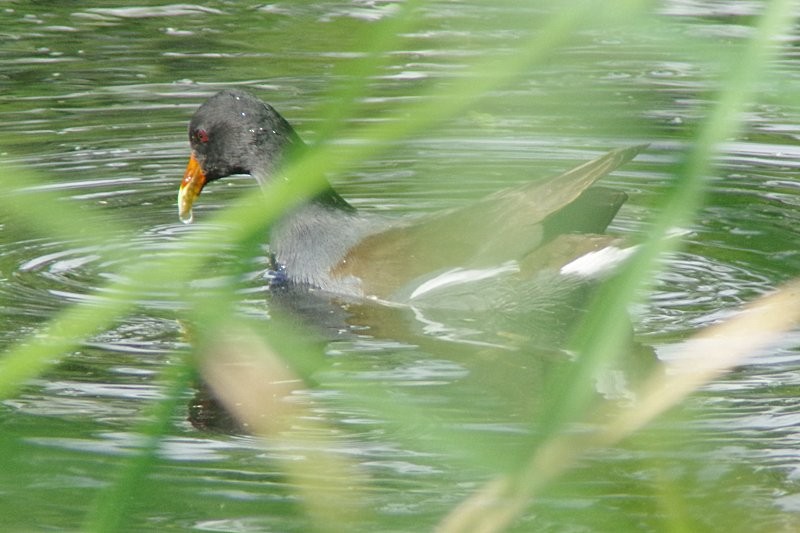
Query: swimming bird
[(552, 225)]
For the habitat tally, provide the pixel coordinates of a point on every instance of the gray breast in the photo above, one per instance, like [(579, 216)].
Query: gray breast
[(314, 238)]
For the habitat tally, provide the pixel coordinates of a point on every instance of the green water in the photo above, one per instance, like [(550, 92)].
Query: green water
[(96, 98)]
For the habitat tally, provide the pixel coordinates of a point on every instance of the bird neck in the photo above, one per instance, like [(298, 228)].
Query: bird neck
[(327, 197), (330, 198)]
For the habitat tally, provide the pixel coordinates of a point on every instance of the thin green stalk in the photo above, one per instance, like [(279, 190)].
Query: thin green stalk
[(603, 335), (380, 41), (112, 504), (499, 503)]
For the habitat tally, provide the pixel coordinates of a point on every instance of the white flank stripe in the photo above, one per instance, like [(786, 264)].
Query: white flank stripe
[(462, 275), (598, 262)]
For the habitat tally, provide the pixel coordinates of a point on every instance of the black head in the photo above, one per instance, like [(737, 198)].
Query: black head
[(234, 132)]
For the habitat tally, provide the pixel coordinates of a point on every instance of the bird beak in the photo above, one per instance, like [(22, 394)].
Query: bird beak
[(193, 181)]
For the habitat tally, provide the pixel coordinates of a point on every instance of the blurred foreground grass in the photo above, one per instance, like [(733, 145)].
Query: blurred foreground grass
[(223, 341)]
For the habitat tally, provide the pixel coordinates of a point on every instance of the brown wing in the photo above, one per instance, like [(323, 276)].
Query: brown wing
[(506, 225)]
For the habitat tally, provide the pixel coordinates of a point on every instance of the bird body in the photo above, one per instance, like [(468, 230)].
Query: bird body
[(325, 244)]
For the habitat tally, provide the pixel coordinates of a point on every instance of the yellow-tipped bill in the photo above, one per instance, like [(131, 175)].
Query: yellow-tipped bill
[(193, 181)]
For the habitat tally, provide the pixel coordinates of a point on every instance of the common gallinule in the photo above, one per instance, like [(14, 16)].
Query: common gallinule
[(549, 225)]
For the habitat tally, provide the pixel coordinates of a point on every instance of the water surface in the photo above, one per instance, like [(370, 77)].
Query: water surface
[(96, 99)]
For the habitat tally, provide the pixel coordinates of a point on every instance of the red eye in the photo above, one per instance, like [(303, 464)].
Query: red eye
[(201, 136)]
